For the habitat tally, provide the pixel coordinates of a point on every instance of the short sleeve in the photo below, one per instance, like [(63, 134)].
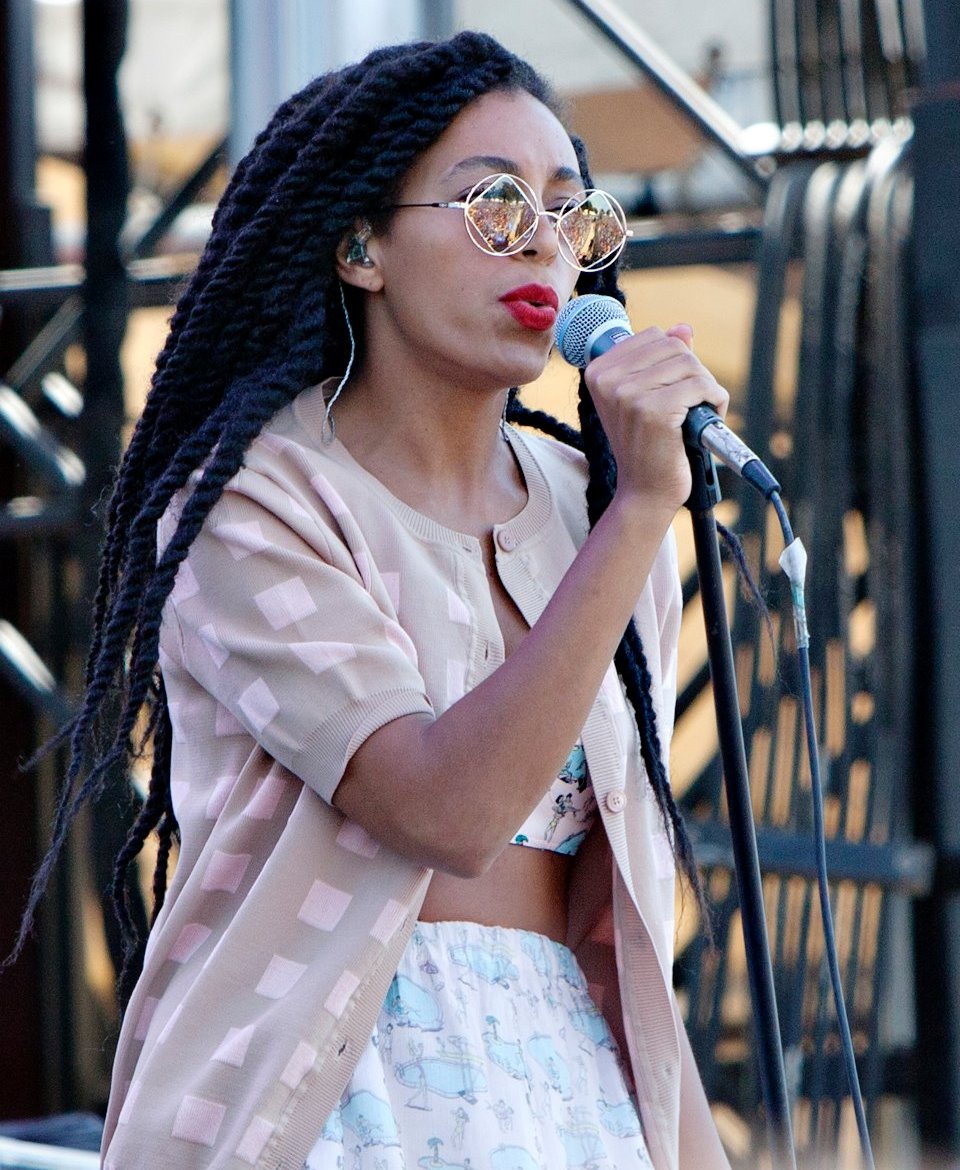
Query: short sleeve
[(273, 616)]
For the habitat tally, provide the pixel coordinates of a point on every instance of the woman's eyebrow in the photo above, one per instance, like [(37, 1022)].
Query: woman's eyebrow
[(497, 162)]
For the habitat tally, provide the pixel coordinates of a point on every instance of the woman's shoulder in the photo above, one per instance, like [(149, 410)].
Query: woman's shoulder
[(293, 454)]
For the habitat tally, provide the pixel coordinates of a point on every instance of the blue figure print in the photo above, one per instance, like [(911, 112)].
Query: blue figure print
[(454, 1073), (575, 769), (412, 1006), (581, 1142), (503, 1113), (512, 1158), (569, 845), (589, 1022), (534, 946), (435, 1162), (506, 1054), (621, 1119), (333, 1129), (493, 964), (460, 1117), (424, 962), (429, 967), (544, 1052), (371, 1119), (562, 804), (569, 971)]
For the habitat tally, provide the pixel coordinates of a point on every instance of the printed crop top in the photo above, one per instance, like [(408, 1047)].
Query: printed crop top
[(566, 811)]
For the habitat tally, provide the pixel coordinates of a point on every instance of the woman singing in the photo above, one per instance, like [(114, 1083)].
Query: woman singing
[(409, 670)]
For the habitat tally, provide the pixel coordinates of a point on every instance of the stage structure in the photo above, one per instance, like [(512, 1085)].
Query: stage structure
[(853, 202)]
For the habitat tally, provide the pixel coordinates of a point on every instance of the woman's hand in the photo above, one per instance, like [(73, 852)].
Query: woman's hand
[(643, 388)]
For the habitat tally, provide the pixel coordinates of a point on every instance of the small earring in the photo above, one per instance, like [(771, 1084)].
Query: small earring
[(357, 246)]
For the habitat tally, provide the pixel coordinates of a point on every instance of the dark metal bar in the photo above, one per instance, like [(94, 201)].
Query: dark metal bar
[(179, 201), (659, 245), (151, 282), (29, 518), (688, 97), (49, 344), (936, 350), (901, 867), (41, 451), (27, 673), (773, 1083)]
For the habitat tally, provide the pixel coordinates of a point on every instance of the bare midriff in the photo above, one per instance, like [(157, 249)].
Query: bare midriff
[(524, 888)]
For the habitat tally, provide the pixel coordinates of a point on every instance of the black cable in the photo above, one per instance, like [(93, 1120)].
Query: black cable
[(793, 562)]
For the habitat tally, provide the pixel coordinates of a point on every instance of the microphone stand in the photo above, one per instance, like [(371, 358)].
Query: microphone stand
[(703, 497)]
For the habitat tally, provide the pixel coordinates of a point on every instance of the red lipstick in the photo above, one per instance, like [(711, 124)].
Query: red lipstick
[(533, 305)]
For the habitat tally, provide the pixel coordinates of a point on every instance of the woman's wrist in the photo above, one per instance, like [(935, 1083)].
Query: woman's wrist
[(645, 513)]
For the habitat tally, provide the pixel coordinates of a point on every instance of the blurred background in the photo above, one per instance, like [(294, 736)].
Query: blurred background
[(791, 169)]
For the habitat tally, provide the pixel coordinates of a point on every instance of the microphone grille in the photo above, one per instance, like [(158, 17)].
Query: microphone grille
[(577, 321)]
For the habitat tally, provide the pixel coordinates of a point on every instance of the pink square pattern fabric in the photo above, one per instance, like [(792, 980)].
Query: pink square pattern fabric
[(336, 1002), (259, 705), (226, 723), (233, 1050), (280, 977), (198, 1120), (389, 921), (219, 796), (321, 656), (225, 871), (286, 603), (212, 644), (263, 803), (300, 1063), (146, 1015), (188, 942), (456, 610), (255, 1137), (324, 906), (242, 540), (186, 584), (356, 839)]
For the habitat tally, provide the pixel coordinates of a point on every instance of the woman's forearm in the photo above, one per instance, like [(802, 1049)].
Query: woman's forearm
[(460, 784)]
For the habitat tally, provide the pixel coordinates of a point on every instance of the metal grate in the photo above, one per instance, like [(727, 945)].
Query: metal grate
[(841, 445)]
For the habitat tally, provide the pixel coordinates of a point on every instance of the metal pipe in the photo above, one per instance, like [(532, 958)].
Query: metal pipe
[(688, 97)]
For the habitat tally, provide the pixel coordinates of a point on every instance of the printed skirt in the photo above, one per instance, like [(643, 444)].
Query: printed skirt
[(488, 1053)]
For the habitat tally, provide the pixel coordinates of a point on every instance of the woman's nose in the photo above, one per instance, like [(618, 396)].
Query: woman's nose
[(544, 242)]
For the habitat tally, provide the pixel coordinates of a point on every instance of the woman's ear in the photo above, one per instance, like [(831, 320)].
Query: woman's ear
[(355, 264)]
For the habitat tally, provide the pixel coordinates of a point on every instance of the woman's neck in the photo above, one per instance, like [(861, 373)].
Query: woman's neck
[(438, 448)]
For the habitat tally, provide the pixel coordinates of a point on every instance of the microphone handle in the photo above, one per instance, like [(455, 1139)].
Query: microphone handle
[(705, 429), (604, 337)]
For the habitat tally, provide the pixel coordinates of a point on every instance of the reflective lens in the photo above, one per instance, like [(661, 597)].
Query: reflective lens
[(594, 229), (502, 214), (502, 217)]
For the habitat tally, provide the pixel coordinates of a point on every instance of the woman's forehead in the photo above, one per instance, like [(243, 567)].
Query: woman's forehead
[(504, 131)]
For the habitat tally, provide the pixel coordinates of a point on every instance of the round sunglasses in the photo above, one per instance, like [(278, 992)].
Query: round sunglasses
[(502, 217)]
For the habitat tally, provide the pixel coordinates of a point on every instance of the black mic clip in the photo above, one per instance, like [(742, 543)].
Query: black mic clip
[(705, 432), (705, 487)]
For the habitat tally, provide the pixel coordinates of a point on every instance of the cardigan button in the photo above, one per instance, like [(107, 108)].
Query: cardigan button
[(616, 800), (507, 541)]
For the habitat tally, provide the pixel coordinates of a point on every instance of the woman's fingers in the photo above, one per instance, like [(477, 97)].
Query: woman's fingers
[(643, 388), (682, 331), (651, 360)]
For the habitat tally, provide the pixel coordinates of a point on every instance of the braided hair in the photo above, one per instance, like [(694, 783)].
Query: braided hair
[(260, 321)]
